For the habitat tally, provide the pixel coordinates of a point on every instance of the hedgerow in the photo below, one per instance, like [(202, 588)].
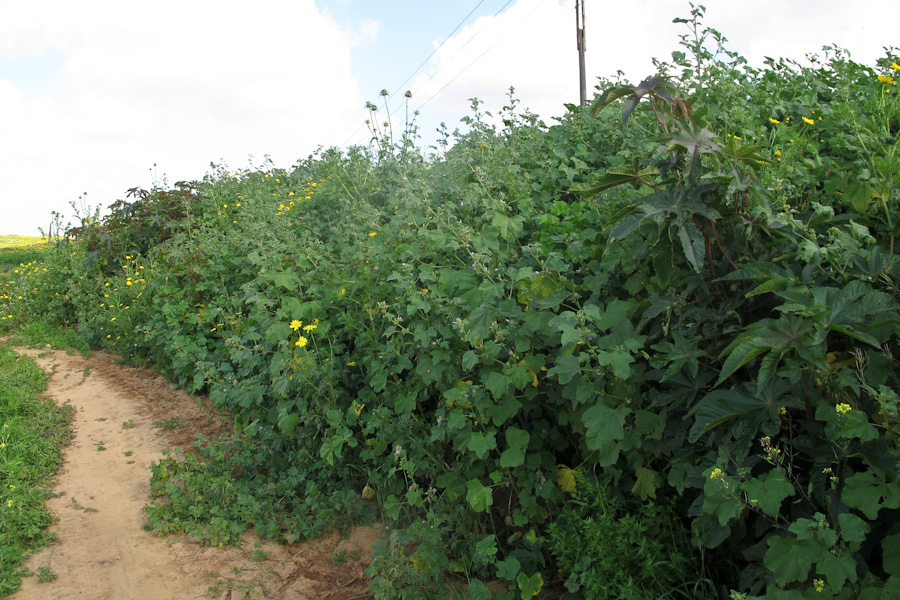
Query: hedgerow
[(668, 333)]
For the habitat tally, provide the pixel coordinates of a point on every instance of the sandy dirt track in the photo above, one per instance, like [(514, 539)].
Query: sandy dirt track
[(102, 552)]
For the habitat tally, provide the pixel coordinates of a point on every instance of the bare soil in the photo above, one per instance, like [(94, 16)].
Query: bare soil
[(102, 551)]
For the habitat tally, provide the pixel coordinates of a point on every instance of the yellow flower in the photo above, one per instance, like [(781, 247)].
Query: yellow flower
[(819, 585), (716, 474), (372, 234), (895, 67), (301, 342), (2, 446), (309, 328), (357, 408), (351, 364), (887, 80), (778, 153), (774, 121), (424, 290), (295, 324), (843, 409), (342, 292), (808, 121)]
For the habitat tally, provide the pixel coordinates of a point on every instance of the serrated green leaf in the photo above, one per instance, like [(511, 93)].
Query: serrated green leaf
[(497, 383), (530, 586), (604, 424), (853, 528), (868, 492), (479, 497), (645, 484), (790, 559), (768, 491), (482, 443), (509, 568)]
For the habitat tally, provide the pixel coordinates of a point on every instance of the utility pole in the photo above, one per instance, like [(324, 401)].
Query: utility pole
[(579, 33)]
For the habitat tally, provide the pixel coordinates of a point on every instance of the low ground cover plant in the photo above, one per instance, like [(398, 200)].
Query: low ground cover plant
[(665, 326), (33, 431)]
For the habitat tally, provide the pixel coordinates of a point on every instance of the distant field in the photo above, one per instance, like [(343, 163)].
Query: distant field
[(19, 241)]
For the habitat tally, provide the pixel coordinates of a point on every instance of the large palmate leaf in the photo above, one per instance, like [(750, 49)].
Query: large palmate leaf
[(774, 338), (855, 310), (633, 172), (721, 406), (696, 141), (656, 86)]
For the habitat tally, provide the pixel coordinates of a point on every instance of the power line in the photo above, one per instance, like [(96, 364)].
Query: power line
[(441, 45), (424, 62), (455, 77), (488, 49)]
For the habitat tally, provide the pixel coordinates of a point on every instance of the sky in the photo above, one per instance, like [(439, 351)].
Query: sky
[(100, 96)]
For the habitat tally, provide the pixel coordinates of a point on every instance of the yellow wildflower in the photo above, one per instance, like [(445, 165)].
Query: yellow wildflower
[(887, 80), (301, 342), (351, 364), (295, 324), (808, 121), (774, 121), (843, 408), (309, 328), (716, 474), (778, 153), (819, 585), (895, 67), (372, 234)]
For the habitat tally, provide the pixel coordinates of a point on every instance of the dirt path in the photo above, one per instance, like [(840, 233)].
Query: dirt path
[(102, 551)]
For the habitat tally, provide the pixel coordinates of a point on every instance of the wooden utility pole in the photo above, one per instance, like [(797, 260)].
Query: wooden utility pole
[(579, 33)]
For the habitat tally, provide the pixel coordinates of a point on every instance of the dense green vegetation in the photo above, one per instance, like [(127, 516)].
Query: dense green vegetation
[(637, 354), (33, 431)]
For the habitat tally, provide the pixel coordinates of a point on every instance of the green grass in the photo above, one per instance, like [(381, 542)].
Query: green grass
[(38, 334), (33, 431), (20, 249), (20, 241)]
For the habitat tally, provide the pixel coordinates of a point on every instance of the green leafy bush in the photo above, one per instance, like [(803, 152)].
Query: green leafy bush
[(697, 306)]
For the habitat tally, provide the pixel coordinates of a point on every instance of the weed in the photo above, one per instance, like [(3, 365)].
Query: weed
[(258, 554), (46, 575), (177, 422), (78, 506), (129, 424), (33, 431)]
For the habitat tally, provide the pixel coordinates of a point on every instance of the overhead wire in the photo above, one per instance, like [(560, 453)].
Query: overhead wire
[(488, 49), (450, 59), (424, 62)]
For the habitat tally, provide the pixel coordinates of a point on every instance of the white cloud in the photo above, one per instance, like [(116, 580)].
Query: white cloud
[(175, 83)]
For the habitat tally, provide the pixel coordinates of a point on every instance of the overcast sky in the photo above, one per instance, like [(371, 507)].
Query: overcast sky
[(94, 93)]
